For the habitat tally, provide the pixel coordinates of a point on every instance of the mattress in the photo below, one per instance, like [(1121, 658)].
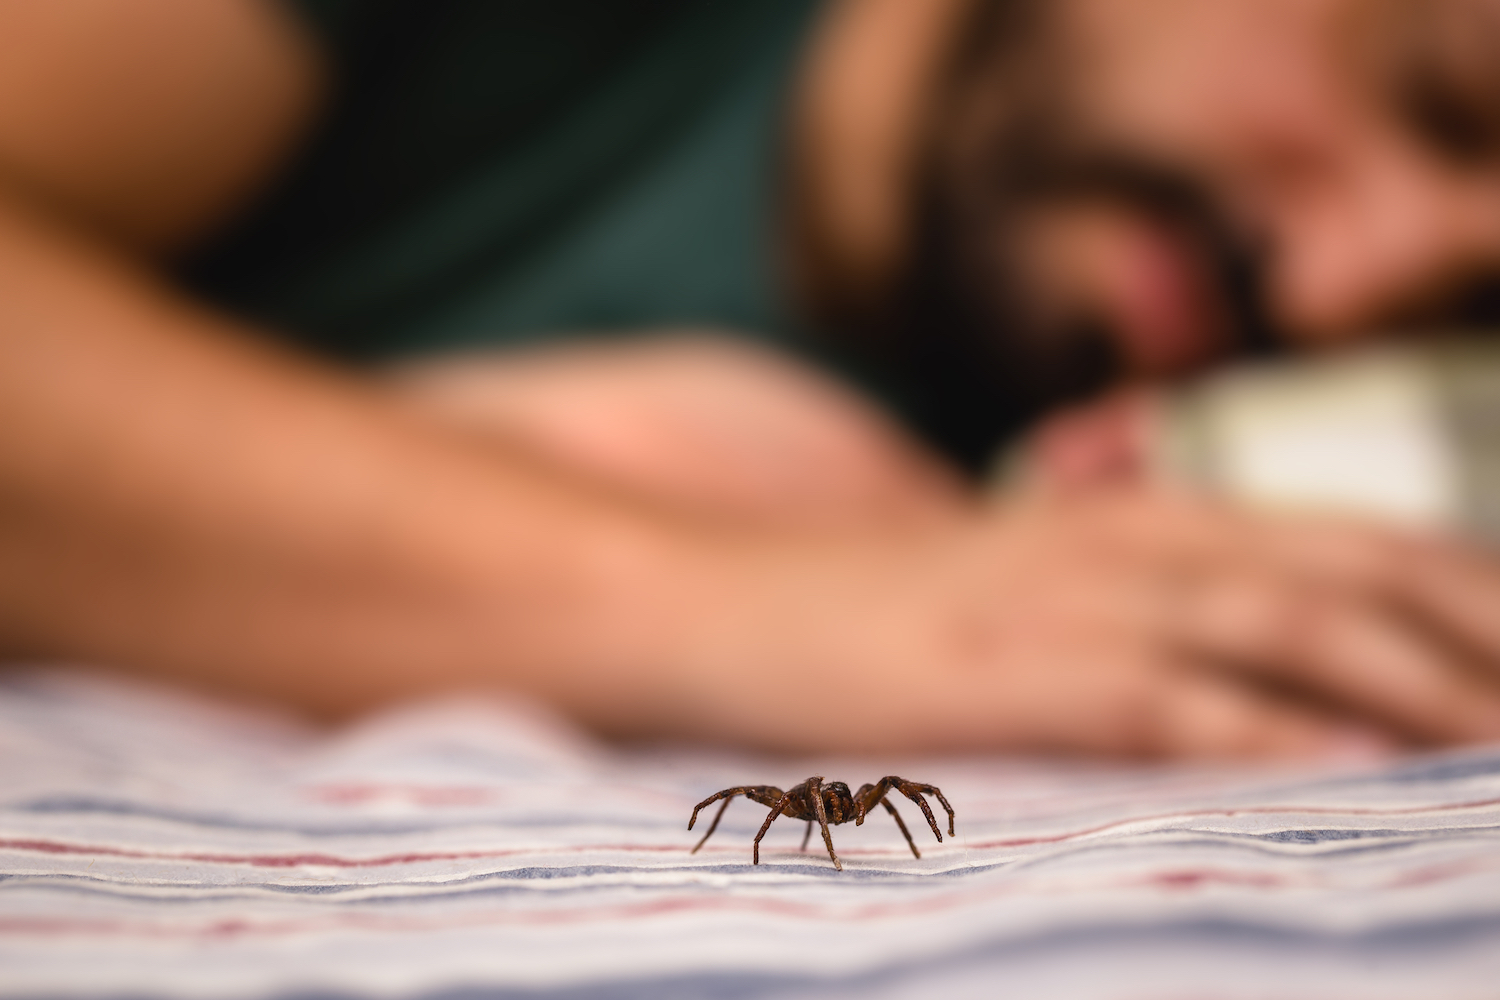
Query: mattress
[(155, 844)]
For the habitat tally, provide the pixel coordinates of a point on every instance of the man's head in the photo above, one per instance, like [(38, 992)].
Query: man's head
[(1136, 188)]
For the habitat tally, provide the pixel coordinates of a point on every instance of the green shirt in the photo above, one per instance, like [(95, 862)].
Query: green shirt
[(493, 171)]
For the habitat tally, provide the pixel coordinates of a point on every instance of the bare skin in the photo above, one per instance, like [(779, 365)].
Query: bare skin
[(180, 499), (657, 417)]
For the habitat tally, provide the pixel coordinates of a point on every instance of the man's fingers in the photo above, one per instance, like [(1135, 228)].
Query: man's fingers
[(1202, 715), (1113, 694), (1350, 651), (1453, 589), (1457, 592), (1354, 621)]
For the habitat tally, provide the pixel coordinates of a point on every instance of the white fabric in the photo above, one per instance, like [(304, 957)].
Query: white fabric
[(1365, 434), (157, 845)]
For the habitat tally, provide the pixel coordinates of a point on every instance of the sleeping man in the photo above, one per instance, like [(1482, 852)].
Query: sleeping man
[(356, 351)]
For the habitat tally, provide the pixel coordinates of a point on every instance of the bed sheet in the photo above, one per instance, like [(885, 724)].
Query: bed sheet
[(159, 845)]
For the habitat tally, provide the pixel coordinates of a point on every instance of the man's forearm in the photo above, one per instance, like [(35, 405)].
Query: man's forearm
[(178, 497)]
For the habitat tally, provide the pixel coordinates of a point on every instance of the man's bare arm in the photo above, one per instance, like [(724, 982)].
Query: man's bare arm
[(180, 498)]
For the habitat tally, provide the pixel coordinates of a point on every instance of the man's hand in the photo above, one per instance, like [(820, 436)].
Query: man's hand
[(1120, 622)]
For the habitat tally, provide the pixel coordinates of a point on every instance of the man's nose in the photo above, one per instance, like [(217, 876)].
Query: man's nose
[(1388, 238)]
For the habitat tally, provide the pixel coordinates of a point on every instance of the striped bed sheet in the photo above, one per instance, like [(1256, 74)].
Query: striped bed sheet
[(159, 845)]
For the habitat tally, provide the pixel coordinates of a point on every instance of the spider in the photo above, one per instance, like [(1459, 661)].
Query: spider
[(830, 803)]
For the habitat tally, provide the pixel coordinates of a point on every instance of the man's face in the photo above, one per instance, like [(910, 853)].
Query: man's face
[(1349, 150)]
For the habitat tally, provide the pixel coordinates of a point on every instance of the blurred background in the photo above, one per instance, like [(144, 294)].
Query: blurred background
[(345, 345)]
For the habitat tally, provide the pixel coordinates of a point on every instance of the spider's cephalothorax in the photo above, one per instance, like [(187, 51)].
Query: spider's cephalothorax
[(831, 803)]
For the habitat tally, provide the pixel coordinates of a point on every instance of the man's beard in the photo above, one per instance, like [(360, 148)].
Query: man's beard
[(954, 337), (975, 367), (982, 360)]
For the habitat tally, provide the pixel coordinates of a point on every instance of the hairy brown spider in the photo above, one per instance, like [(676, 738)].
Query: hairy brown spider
[(830, 803)]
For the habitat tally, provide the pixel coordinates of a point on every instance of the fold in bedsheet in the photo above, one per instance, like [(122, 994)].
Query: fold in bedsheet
[(157, 845)]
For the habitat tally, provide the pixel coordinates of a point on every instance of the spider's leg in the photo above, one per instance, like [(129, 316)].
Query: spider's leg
[(807, 836), (901, 823), (775, 811), (911, 790), (861, 804), (869, 795), (749, 791), (917, 786), (712, 826), (916, 797), (815, 792)]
